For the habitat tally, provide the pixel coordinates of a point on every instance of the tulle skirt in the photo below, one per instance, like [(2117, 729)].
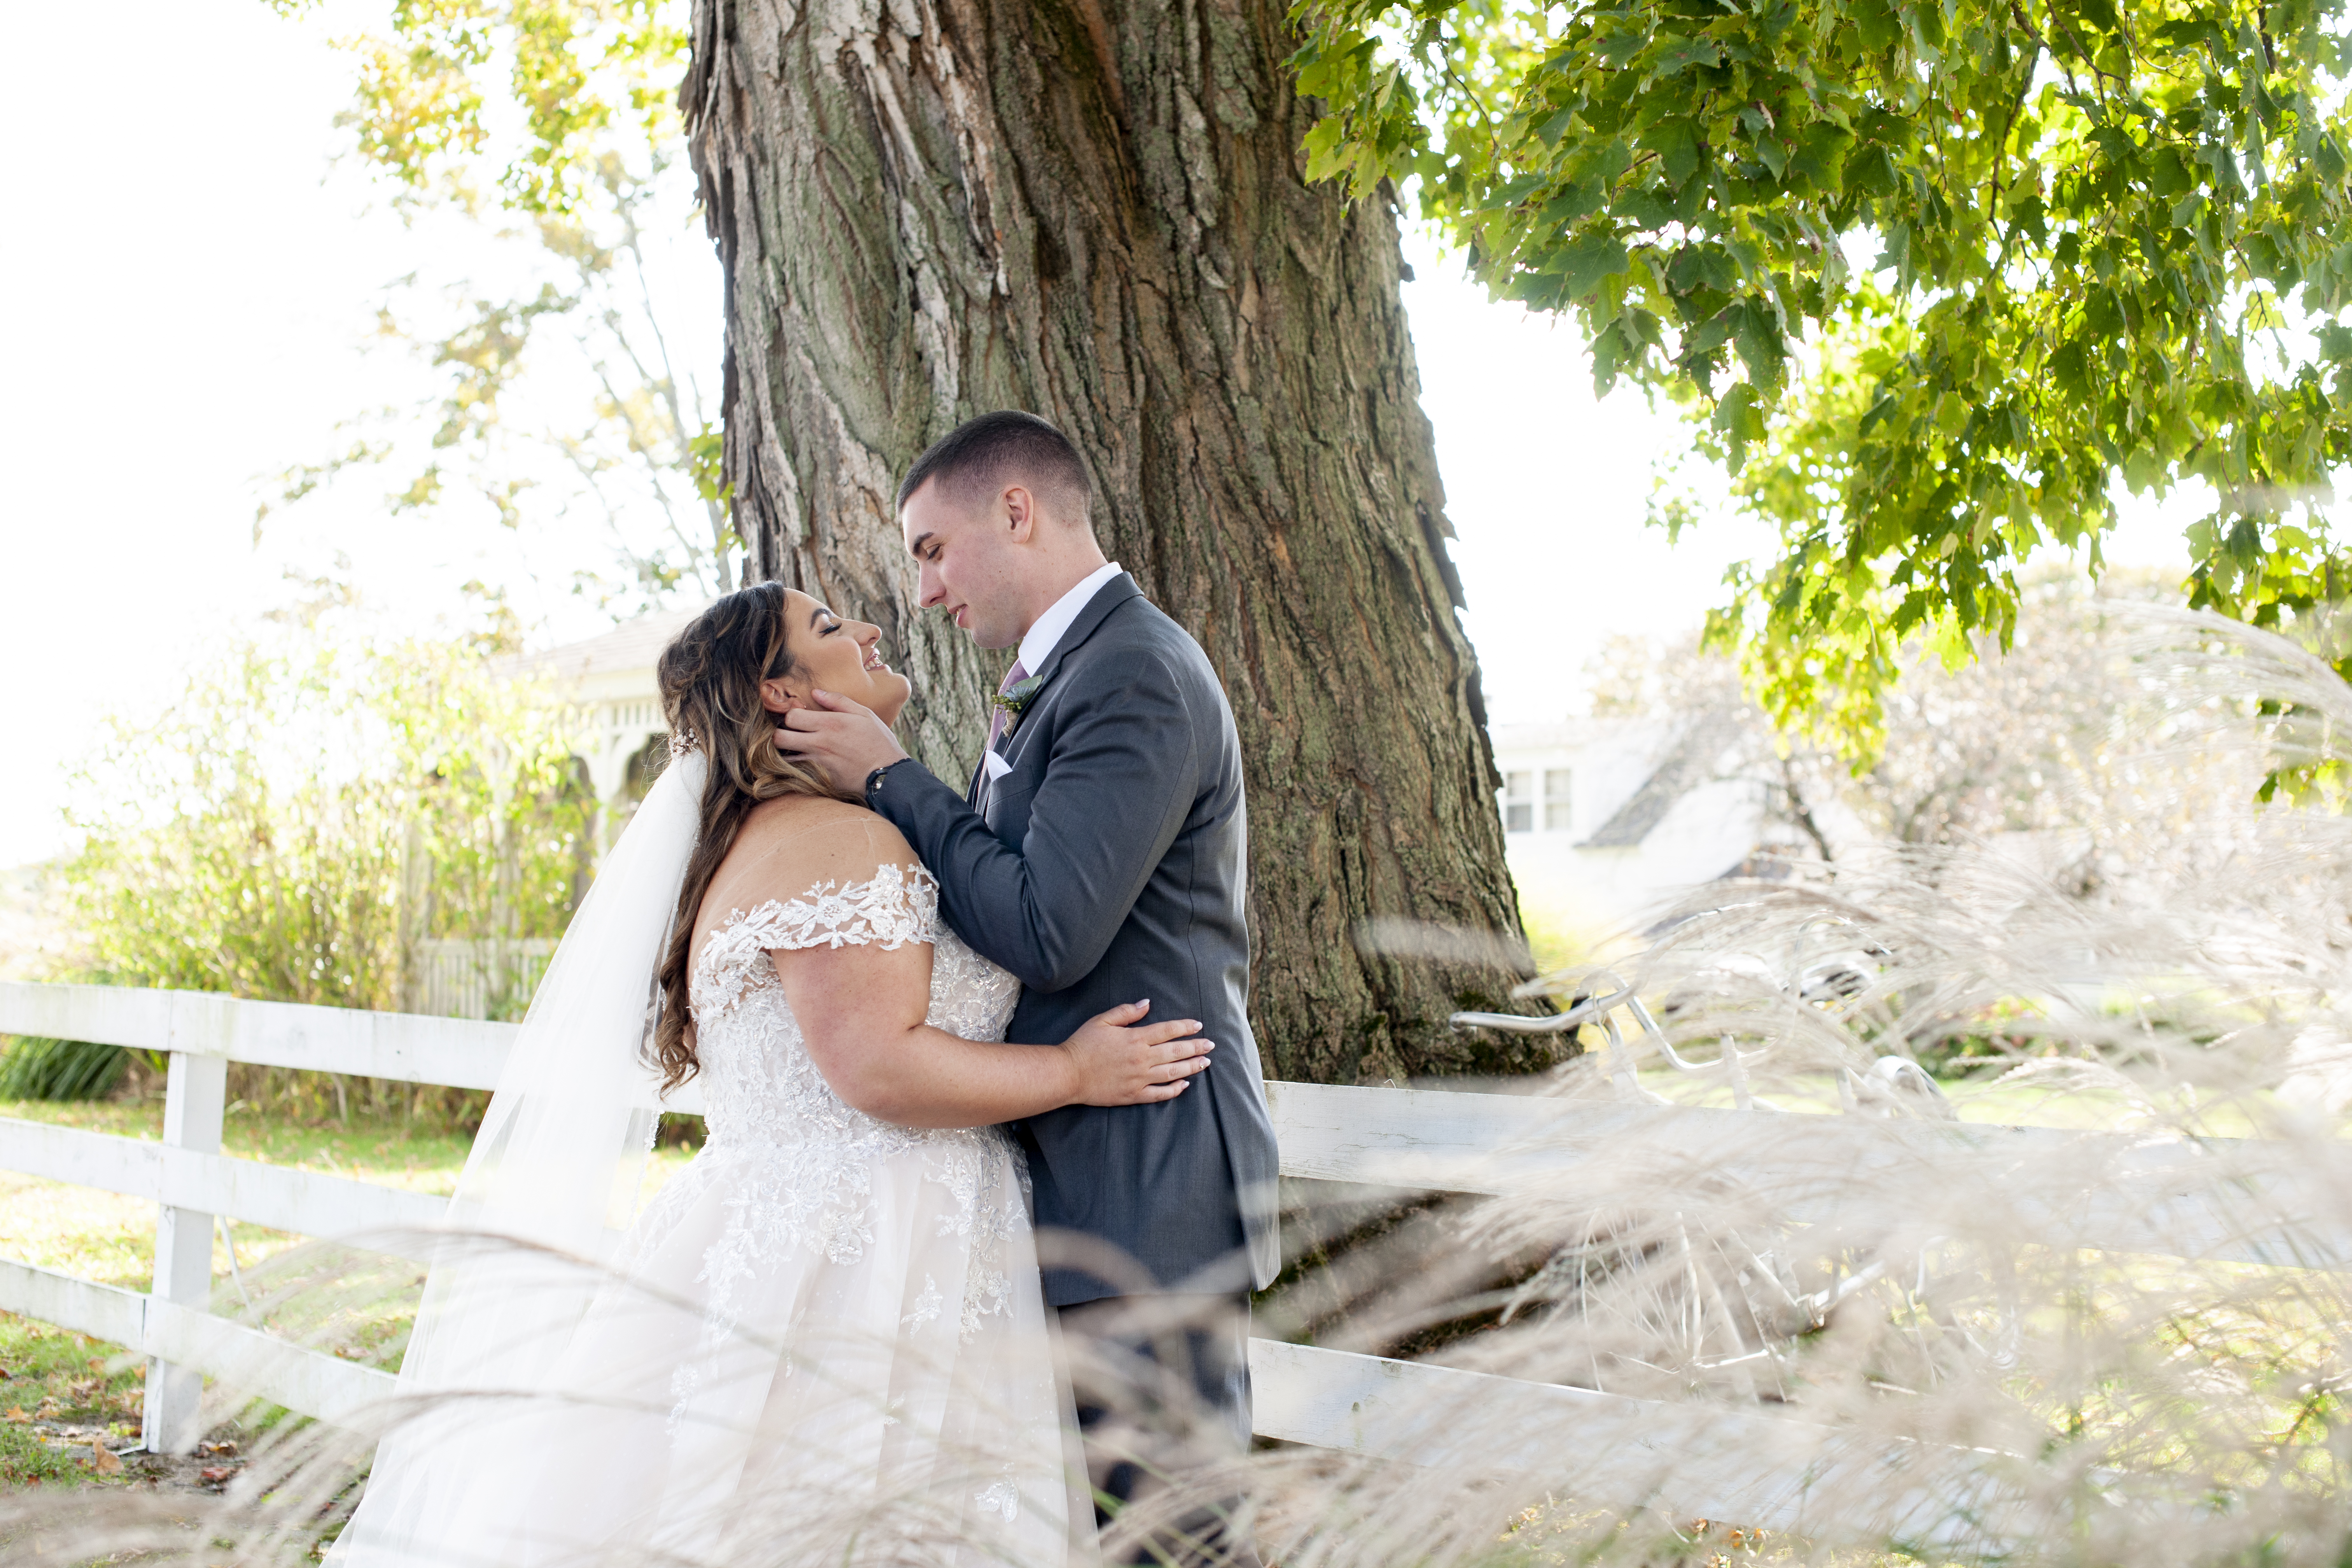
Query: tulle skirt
[(756, 1384)]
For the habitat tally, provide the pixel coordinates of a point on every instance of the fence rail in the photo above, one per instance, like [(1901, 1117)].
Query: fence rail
[(2216, 1199), (308, 1202), (178, 1335)]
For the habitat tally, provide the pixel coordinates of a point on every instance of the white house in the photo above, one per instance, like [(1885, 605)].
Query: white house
[(1606, 818)]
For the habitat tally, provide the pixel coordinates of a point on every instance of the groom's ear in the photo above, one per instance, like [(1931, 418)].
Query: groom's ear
[(1019, 513)]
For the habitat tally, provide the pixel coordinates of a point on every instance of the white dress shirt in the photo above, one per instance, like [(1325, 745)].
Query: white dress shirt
[(1046, 634), (1038, 643)]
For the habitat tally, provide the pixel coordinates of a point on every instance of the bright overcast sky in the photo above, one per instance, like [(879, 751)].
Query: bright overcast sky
[(183, 302)]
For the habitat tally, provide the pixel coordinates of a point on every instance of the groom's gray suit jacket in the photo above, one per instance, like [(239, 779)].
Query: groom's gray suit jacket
[(1110, 866)]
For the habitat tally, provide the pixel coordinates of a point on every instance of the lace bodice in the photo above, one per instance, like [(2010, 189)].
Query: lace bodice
[(757, 1080), (802, 1160)]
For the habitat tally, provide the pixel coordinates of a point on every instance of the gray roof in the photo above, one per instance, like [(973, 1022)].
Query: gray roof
[(1688, 764), (632, 645)]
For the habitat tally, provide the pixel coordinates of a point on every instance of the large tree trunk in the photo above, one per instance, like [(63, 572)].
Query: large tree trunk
[(1093, 209)]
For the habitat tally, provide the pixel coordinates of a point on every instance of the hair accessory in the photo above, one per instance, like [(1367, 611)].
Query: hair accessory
[(682, 741)]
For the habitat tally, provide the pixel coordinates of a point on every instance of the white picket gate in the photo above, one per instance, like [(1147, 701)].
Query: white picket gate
[(2180, 1200)]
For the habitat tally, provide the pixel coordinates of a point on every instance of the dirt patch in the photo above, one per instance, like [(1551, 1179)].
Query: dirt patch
[(55, 1452)]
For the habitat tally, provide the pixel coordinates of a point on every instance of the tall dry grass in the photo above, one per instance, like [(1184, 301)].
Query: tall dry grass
[(1755, 1287)]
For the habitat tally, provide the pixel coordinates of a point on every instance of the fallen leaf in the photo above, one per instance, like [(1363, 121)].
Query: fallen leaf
[(16, 1414), (97, 1363), (218, 1472), (104, 1459)]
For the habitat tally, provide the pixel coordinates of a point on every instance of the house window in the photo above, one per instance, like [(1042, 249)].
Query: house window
[(1556, 800), (1518, 801)]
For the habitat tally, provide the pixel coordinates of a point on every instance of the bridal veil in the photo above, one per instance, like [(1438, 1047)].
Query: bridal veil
[(551, 1185)]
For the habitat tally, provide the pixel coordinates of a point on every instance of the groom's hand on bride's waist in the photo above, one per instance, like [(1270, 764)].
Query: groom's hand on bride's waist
[(843, 738)]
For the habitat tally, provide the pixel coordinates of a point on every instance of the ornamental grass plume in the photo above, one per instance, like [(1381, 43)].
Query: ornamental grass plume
[(1951, 1204)]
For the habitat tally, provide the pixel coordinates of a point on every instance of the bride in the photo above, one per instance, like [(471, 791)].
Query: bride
[(824, 1339)]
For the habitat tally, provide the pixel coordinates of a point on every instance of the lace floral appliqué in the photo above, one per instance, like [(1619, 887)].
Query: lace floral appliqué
[(894, 906)]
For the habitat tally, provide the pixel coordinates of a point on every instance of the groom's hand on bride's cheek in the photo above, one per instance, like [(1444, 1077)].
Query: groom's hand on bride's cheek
[(843, 738)]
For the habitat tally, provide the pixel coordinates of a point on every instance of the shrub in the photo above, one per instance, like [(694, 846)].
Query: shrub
[(314, 808), (32, 1068)]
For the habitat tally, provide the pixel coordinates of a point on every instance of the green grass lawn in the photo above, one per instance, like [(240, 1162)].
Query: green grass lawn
[(52, 1380)]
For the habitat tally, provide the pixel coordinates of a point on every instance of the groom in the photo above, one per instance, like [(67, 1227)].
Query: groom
[(1099, 854)]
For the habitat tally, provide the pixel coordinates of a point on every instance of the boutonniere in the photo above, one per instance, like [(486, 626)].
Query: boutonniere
[(1014, 698)]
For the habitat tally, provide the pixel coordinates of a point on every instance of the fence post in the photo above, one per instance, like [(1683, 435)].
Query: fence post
[(194, 1099)]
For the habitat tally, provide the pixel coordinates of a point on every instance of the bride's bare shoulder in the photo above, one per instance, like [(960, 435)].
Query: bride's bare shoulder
[(791, 845)]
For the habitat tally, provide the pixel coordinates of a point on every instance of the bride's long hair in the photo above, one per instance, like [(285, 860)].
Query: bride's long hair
[(710, 675)]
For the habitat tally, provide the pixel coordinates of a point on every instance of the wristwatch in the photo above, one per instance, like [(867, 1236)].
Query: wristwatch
[(874, 779)]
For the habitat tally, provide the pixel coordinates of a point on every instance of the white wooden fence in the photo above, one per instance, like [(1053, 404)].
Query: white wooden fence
[(2174, 1199)]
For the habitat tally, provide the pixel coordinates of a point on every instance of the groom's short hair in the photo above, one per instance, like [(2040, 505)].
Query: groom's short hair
[(983, 455)]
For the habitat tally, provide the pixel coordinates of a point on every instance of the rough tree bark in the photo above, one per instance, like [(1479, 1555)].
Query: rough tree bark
[(1093, 209)]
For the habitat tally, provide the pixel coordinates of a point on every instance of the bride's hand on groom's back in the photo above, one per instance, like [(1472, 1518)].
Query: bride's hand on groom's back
[(1120, 1060)]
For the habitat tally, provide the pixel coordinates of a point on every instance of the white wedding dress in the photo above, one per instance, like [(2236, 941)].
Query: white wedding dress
[(824, 1341)]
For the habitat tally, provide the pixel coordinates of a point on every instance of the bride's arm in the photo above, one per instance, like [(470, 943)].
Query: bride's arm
[(861, 1005), (861, 1012)]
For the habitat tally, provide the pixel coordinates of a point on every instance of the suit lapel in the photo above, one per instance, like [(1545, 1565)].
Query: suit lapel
[(1109, 597)]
